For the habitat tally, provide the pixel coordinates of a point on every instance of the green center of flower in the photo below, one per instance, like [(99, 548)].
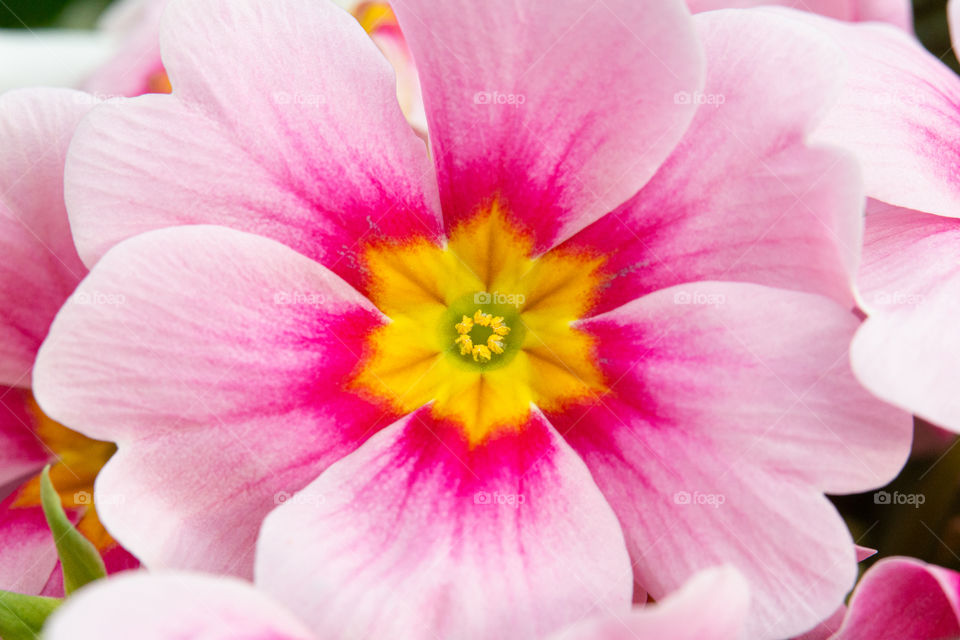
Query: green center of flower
[(471, 344), (481, 333), (482, 328)]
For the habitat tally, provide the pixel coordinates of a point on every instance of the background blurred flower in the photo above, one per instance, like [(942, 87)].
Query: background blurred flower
[(121, 58), (895, 12), (898, 599), (40, 268), (164, 605), (134, 67), (900, 113)]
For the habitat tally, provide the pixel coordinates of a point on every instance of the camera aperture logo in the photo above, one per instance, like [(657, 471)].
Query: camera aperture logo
[(499, 499), (913, 499), (485, 297)]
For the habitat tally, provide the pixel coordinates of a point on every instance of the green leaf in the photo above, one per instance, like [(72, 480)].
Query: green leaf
[(22, 616), (79, 559)]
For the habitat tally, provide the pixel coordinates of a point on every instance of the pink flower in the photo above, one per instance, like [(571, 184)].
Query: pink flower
[(712, 605), (40, 268), (136, 67), (896, 12), (159, 606), (379, 21), (599, 333), (164, 605), (899, 599), (900, 113)]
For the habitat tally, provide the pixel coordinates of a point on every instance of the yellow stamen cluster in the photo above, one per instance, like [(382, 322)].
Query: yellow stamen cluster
[(480, 352)]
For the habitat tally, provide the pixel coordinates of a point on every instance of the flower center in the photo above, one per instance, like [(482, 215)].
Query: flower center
[(468, 341), (481, 330), (481, 334)]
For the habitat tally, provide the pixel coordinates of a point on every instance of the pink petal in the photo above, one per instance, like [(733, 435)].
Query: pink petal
[(896, 12), (561, 111), (393, 44), (710, 606), (218, 361), (21, 451), (40, 267), (306, 145), (417, 535), (903, 599), (115, 559), (744, 197), (899, 13), (54, 587), (732, 410), (906, 256), (161, 606), (900, 113), (826, 629), (118, 559), (865, 552), (953, 17), (28, 555), (128, 72), (907, 353)]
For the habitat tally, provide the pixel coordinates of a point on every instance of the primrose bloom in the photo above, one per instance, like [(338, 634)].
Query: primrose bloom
[(118, 58), (597, 336), (39, 270), (899, 112), (378, 20), (136, 68), (896, 12), (159, 606), (898, 599)]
